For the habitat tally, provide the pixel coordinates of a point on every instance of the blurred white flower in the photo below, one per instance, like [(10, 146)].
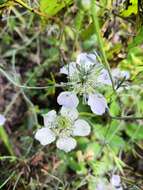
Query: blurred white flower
[(118, 74), (68, 99), (2, 119), (116, 182), (62, 127)]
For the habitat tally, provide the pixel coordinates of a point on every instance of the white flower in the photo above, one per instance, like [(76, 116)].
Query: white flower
[(116, 180), (2, 120), (62, 126), (97, 103), (86, 76), (68, 99), (119, 74)]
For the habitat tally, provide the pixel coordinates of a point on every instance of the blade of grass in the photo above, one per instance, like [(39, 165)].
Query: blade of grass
[(4, 137)]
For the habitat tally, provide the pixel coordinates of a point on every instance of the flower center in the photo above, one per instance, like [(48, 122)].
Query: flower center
[(63, 122)]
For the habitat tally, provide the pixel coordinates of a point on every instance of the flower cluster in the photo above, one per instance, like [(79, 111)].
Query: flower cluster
[(86, 76), (63, 127)]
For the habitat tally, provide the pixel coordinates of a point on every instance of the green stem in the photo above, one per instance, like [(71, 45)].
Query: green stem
[(100, 40)]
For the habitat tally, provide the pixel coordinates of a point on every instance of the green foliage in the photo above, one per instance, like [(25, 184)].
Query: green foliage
[(39, 57), (53, 7), (134, 131), (137, 40), (131, 9), (5, 138)]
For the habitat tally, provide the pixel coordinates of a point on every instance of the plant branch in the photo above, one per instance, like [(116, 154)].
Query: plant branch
[(100, 41)]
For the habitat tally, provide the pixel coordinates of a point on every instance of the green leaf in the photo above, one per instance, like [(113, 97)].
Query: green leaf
[(132, 9), (4, 137), (137, 40), (53, 7), (135, 131), (116, 143), (78, 167)]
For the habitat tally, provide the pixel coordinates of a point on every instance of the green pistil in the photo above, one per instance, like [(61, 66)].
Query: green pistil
[(63, 122)]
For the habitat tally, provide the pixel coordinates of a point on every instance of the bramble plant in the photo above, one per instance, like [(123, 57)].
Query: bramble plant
[(71, 97)]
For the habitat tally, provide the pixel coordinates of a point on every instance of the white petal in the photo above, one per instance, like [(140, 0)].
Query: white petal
[(104, 77), (68, 99), (85, 60), (97, 103), (115, 180), (2, 119), (81, 128), (45, 136), (69, 69), (72, 113), (66, 144), (49, 118)]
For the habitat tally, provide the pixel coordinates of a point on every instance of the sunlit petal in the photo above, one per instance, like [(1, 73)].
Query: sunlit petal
[(72, 113), (68, 99), (49, 118), (45, 136), (86, 61), (66, 144), (97, 103), (81, 128)]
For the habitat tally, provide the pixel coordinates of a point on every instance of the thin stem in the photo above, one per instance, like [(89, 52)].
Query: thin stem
[(126, 117), (100, 41), (113, 117), (32, 87)]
